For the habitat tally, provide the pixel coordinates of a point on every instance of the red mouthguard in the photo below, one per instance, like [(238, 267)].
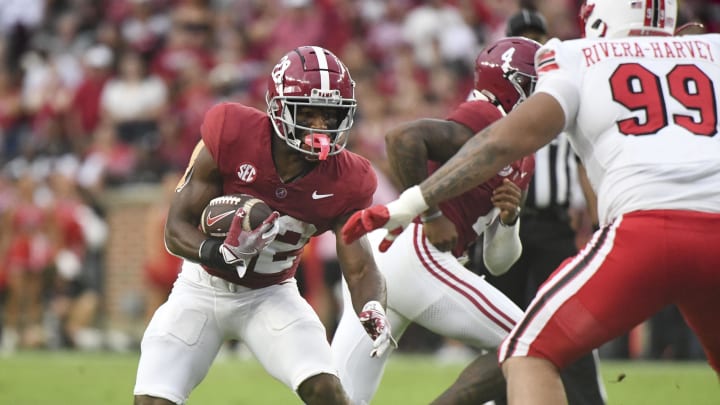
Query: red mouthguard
[(320, 141)]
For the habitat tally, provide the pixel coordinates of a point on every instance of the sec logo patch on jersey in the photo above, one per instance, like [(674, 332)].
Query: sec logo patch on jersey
[(247, 173)]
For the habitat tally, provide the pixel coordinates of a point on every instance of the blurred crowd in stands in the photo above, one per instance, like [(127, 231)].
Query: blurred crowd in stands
[(99, 94)]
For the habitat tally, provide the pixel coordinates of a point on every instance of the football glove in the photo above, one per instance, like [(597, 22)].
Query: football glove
[(239, 246), (376, 325), (394, 217)]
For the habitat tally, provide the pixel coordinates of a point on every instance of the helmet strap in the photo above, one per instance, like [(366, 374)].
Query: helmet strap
[(493, 100)]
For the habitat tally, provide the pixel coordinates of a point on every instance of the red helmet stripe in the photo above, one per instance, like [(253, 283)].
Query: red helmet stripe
[(654, 13), (648, 13), (323, 66)]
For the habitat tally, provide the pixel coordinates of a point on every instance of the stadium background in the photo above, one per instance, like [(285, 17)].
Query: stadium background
[(100, 106)]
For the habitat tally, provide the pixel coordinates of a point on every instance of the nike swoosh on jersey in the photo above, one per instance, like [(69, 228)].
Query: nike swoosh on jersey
[(316, 196), (212, 220)]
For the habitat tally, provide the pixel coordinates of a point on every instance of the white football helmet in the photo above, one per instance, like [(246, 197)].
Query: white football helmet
[(622, 18)]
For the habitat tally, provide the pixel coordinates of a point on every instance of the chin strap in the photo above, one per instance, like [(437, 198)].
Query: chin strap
[(480, 95)]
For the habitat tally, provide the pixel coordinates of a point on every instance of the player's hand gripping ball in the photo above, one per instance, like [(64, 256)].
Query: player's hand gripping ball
[(218, 215)]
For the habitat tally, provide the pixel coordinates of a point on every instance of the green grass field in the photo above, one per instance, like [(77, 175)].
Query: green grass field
[(40, 378)]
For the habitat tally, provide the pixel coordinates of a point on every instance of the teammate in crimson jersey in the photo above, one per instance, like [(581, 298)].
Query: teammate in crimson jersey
[(242, 287), (426, 282), (641, 109)]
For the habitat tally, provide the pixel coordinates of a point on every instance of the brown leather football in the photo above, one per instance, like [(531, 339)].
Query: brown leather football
[(218, 215)]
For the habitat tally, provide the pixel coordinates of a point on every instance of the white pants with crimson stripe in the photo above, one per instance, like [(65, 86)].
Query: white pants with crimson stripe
[(203, 311), (630, 270), (430, 288)]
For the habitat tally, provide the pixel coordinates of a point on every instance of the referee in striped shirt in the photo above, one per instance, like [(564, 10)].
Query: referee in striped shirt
[(546, 230)]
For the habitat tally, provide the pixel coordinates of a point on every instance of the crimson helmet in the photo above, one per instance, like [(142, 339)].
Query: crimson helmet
[(621, 18), (311, 76), (505, 71)]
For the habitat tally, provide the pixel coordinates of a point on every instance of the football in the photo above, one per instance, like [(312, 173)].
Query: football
[(218, 214)]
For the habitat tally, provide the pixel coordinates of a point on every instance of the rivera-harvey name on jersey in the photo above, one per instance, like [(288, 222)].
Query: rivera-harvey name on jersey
[(676, 49)]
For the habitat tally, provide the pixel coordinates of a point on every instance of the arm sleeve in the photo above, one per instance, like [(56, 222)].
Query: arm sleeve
[(501, 246)]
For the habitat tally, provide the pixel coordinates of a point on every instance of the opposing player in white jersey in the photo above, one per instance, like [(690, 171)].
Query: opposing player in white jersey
[(426, 282), (641, 108), (293, 157)]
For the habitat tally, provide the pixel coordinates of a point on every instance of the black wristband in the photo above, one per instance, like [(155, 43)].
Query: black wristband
[(210, 254)]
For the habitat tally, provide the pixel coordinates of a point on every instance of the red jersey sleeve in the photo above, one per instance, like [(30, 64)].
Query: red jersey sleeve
[(363, 184), (356, 181), (476, 114), (525, 173), (211, 129)]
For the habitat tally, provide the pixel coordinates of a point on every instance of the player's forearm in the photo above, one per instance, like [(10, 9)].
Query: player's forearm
[(473, 164), (369, 285), (184, 240)]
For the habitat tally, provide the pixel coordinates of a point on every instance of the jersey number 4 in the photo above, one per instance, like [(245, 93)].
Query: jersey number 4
[(637, 88)]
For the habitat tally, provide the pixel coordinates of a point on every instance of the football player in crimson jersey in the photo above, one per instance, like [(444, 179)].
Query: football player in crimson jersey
[(427, 282), (293, 158), (641, 109)]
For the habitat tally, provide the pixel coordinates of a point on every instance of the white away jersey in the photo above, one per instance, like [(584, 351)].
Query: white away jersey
[(642, 114)]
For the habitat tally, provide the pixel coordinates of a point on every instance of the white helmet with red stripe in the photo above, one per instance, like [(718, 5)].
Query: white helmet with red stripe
[(312, 76), (622, 18)]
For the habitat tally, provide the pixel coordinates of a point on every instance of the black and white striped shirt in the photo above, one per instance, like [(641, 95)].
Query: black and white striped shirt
[(555, 184)]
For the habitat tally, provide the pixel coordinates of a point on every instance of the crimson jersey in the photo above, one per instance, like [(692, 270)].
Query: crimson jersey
[(471, 210), (239, 138)]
